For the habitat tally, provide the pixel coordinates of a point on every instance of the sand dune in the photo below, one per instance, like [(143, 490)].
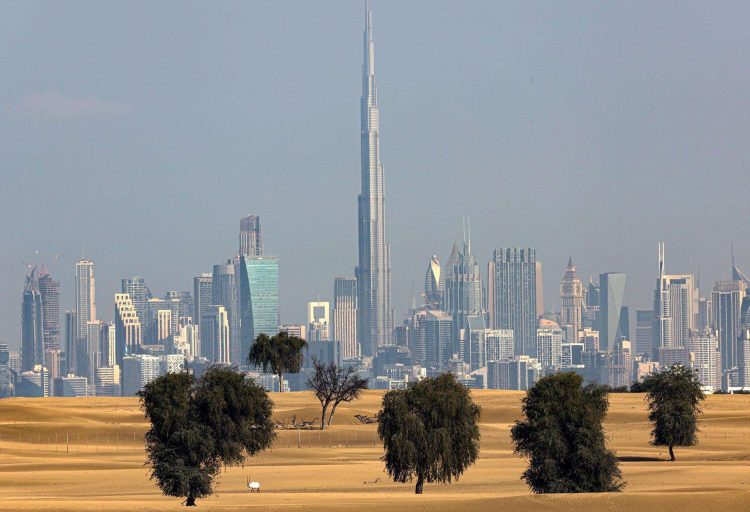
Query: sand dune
[(87, 455)]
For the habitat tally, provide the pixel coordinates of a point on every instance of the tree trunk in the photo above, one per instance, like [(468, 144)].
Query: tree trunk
[(281, 383), (671, 453), (330, 417), (420, 484), (323, 417), (190, 501)]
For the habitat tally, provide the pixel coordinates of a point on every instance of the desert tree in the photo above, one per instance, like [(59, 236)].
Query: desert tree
[(430, 431), (332, 385), (199, 426), (563, 437), (280, 353), (674, 396)]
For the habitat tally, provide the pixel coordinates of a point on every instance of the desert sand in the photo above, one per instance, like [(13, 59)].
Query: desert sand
[(86, 454)]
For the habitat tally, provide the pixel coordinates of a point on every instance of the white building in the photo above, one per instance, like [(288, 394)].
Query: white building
[(138, 370)]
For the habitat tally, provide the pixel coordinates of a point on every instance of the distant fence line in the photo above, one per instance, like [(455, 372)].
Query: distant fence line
[(492, 436)]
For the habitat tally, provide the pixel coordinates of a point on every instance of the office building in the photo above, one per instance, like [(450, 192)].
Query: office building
[(621, 364), (611, 322), (434, 287), (499, 343), (71, 343), (644, 324), (203, 296), (345, 316), (297, 330), (73, 386), (373, 271), (251, 240), (34, 383), (704, 357), (259, 300), (726, 300), (108, 381), (519, 373), (225, 294), (463, 296), (437, 333), (515, 296)]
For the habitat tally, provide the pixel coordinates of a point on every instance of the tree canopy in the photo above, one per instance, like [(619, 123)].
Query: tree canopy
[(563, 437), (198, 426), (430, 431), (332, 385), (280, 353), (674, 396)]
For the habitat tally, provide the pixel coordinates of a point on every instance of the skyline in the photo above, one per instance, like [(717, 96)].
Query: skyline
[(417, 232)]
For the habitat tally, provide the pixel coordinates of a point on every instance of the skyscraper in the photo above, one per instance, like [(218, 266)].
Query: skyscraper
[(259, 300), (463, 297), (434, 286), (203, 293), (139, 293), (32, 321), (345, 316), (373, 272), (611, 294), (85, 296), (571, 295), (49, 289), (128, 336), (251, 241), (726, 299), (318, 321), (225, 294), (515, 296), (71, 342), (215, 329)]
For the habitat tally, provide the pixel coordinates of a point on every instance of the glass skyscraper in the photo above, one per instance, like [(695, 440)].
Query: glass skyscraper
[(259, 300), (515, 296)]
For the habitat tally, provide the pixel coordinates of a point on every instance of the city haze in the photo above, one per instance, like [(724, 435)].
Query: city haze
[(139, 134)]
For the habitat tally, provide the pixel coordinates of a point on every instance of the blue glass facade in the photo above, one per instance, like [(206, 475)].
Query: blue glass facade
[(259, 299)]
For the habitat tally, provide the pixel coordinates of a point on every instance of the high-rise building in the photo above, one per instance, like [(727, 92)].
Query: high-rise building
[(743, 359), (539, 287), (151, 334), (296, 330), (32, 323), (620, 368), (108, 381), (215, 334), (139, 293), (108, 348), (225, 294), (476, 346), (434, 287), (85, 296), (590, 340), (251, 241), (71, 342), (203, 296), (705, 358), (519, 373), (644, 326), (318, 321), (137, 371), (500, 344), (463, 297), (49, 289), (185, 305), (571, 295), (34, 382), (437, 331), (515, 296), (726, 300), (675, 307), (345, 316), (128, 334), (611, 294), (373, 272), (164, 327), (549, 347), (259, 300)]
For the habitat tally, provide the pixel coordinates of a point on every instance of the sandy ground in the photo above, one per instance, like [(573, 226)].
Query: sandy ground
[(87, 455)]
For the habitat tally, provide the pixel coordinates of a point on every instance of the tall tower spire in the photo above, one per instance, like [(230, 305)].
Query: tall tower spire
[(375, 322)]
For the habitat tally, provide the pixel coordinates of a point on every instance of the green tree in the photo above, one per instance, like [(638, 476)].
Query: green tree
[(430, 431), (674, 396), (199, 426), (563, 437), (279, 354), (332, 385)]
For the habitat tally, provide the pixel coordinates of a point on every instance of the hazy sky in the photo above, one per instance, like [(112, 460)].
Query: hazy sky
[(142, 131)]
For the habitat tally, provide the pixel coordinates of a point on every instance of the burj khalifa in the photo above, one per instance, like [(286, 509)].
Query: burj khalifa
[(375, 315)]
